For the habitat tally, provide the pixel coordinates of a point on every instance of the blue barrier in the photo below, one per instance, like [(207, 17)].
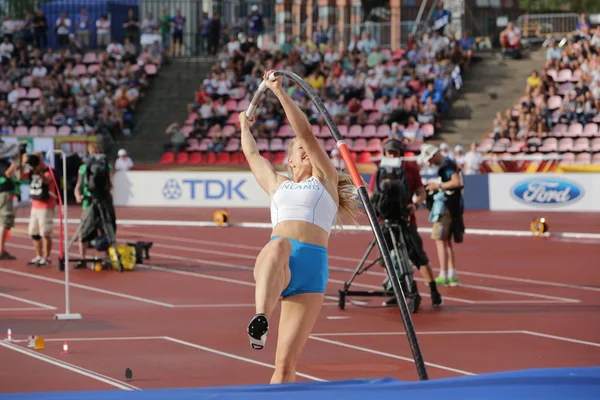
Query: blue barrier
[(547, 384)]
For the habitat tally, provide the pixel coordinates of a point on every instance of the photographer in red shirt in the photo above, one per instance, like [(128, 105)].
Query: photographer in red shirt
[(395, 149), (43, 201)]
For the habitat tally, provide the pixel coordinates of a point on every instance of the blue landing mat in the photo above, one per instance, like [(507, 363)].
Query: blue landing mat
[(547, 384)]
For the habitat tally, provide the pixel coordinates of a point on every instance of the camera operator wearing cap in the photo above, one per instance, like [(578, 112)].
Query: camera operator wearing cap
[(446, 212), (43, 202), (8, 171), (394, 149)]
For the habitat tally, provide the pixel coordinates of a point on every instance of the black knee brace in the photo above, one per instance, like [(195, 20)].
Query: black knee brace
[(36, 237)]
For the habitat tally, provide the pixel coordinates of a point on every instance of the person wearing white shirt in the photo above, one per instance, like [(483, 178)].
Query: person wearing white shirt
[(124, 162), (459, 156), (63, 28), (233, 45), (337, 161), (115, 50), (6, 49), (39, 71), (103, 31), (472, 160)]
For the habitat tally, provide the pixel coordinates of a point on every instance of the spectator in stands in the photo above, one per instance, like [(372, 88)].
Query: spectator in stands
[(204, 32), (256, 23), (6, 50), (123, 162), (84, 28), (440, 18), (102, 31), (214, 36), (132, 27), (467, 46), (149, 24), (178, 25), (165, 28), (533, 82), (63, 28), (40, 29), (510, 40), (178, 142), (472, 160), (553, 54)]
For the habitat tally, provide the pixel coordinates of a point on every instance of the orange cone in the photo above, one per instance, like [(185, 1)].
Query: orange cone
[(65, 348)]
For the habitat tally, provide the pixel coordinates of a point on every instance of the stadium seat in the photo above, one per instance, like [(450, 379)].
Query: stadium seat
[(224, 158), (364, 158), (21, 131), (595, 145), (233, 145), (278, 158), (373, 145), (355, 131), (89, 58), (211, 158), (80, 69), (383, 131), (581, 144), (554, 102), (596, 159), (575, 129), (359, 145), (183, 157), (262, 144), (150, 69), (428, 131), (276, 144), (590, 130), (565, 144), (231, 105), (369, 131), (34, 93), (196, 158), (235, 157), (204, 143), (167, 158), (49, 131), (64, 131), (564, 75)]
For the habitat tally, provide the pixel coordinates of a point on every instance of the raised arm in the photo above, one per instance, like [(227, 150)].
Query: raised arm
[(323, 166), (262, 169)]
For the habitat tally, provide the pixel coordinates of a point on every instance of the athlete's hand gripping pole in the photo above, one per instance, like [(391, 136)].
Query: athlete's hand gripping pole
[(362, 191)]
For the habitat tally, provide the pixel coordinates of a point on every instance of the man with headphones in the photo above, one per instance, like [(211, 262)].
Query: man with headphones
[(394, 149)]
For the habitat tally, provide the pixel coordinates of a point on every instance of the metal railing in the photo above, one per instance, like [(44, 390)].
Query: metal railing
[(540, 27)]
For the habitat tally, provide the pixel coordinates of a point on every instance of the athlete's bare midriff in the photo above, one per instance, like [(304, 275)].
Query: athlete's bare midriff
[(302, 231)]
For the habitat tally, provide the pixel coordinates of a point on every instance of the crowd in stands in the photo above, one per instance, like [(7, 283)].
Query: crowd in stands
[(371, 93), (558, 113), (69, 89)]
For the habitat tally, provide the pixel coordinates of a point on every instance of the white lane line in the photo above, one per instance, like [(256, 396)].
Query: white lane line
[(70, 367), (384, 354), (30, 302), (419, 333), (236, 357), (561, 338)]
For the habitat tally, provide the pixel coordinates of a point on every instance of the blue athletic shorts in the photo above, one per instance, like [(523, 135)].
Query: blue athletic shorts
[(308, 267)]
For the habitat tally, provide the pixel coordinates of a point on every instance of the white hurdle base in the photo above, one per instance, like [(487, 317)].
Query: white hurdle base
[(65, 317)]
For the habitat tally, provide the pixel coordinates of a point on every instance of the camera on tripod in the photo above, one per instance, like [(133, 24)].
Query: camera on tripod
[(391, 198)]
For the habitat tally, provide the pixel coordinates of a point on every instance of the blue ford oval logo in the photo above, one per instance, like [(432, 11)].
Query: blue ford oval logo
[(547, 191)]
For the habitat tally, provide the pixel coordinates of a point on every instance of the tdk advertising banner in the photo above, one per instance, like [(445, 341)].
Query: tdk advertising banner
[(188, 189), (544, 192)]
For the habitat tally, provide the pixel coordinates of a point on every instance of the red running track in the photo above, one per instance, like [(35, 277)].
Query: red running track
[(180, 320)]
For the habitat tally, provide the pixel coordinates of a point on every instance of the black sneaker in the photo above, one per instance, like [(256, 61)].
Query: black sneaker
[(257, 331), (5, 255), (436, 299)]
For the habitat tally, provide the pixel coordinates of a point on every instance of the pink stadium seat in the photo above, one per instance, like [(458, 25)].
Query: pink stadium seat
[(276, 144), (367, 105), (383, 131), (64, 130), (242, 105), (22, 92), (596, 159), (21, 131), (316, 130), (325, 133), (558, 130), (79, 69), (373, 145), (34, 93), (554, 102), (50, 131), (515, 147), (233, 145), (428, 131), (549, 144), (204, 144), (89, 58), (262, 144), (330, 144), (583, 159), (150, 69), (231, 105), (369, 131), (565, 144), (575, 129), (228, 130), (581, 144), (590, 130), (552, 73), (576, 76), (373, 118), (355, 131), (595, 145), (27, 81), (187, 129), (359, 145), (364, 158), (93, 68), (568, 158), (564, 75), (343, 129), (286, 131), (232, 120)]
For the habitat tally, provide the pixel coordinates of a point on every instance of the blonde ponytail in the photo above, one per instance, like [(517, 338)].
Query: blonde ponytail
[(349, 202)]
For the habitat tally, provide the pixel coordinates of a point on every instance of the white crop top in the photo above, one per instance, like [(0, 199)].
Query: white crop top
[(307, 201)]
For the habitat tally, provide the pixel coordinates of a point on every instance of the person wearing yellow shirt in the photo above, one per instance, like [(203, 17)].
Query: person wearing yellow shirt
[(533, 82), (316, 81)]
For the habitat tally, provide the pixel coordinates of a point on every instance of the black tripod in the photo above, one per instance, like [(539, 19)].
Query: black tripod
[(97, 208), (401, 262)]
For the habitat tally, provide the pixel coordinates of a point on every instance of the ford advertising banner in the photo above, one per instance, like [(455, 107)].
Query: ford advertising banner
[(188, 189), (544, 192)]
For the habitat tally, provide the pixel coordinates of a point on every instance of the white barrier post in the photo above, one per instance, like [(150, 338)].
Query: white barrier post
[(67, 314)]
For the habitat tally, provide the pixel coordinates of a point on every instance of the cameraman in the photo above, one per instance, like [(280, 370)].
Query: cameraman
[(8, 171), (43, 201), (447, 221), (85, 197), (394, 149)]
